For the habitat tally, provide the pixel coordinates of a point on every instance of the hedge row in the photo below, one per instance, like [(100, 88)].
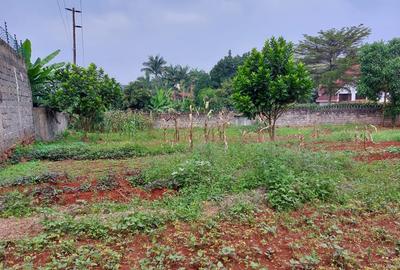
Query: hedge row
[(82, 151)]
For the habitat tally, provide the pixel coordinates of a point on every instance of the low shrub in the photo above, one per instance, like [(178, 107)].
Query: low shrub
[(15, 204), (293, 178), (192, 172), (92, 227), (48, 177), (98, 228), (83, 151), (290, 178), (139, 222), (85, 257)]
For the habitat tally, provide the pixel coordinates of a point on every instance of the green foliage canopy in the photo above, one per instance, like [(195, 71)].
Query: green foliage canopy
[(161, 101), (39, 72), (330, 54), (226, 68), (85, 93), (155, 66), (138, 94), (269, 81), (380, 65)]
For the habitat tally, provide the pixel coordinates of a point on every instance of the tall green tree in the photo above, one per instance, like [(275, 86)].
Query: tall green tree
[(330, 54), (39, 72), (199, 79), (380, 65), (176, 77), (138, 94), (155, 66), (225, 69), (85, 93), (270, 81)]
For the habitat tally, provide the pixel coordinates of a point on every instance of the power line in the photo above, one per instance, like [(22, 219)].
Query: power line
[(66, 16), (63, 21), (83, 41)]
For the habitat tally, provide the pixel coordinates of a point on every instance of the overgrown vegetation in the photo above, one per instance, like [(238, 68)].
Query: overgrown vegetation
[(251, 194)]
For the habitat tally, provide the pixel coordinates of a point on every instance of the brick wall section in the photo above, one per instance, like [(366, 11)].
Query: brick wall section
[(293, 118), (16, 121)]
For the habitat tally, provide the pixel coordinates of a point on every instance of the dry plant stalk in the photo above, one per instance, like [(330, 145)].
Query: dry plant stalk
[(219, 128), (243, 136), (206, 120), (225, 138), (191, 128), (175, 118), (301, 141), (225, 122), (261, 136), (316, 132), (365, 135), (262, 119), (164, 127)]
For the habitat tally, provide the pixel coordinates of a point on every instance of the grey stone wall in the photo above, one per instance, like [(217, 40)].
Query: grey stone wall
[(48, 124), (16, 121), (292, 118)]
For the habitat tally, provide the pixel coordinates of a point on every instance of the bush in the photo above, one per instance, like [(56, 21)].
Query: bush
[(15, 204), (48, 177), (90, 227), (293, 178), (126, 122), (339, 107), (83, 151), (139, 222), (192, 172)]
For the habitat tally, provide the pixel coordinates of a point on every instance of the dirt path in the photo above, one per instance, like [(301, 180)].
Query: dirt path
[(18, 228)]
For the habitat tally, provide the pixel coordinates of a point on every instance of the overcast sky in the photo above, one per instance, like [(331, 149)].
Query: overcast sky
[(119, 35)]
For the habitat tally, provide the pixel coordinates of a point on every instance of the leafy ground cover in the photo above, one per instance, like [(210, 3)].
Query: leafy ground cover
[(317, 198)]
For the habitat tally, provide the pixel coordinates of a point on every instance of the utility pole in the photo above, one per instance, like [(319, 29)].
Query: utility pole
[(74, 26)]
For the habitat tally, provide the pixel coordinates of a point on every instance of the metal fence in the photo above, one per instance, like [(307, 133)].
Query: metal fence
[(10, 39)]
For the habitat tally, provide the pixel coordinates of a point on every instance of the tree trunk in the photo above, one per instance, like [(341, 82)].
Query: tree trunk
[(191, 129), (206, 130), (271, 128), (176, 129), (384, 108)]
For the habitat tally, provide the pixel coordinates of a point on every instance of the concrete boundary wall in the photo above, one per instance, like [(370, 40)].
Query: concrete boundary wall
[(291, 118), (16, 120), (48, 124)]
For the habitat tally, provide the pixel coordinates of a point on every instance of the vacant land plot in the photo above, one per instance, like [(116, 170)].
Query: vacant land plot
[(323, 197)]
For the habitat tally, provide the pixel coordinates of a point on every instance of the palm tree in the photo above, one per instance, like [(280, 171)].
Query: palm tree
[(176, 75), (155, 65)]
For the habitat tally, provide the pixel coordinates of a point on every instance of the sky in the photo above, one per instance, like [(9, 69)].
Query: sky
[(119, 35)]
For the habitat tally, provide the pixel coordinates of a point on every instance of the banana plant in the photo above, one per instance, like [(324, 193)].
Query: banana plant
[(39, 72), (161, 101)]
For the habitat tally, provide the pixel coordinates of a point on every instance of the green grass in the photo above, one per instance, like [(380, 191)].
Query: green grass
[(377, 185), (31, 168), (276, 181)]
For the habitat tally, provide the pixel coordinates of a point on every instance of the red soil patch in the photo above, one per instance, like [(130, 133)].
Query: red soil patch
[(368, 152), (378, 156), (124, 192), (352, 146), (369, 238), (274, 251)]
